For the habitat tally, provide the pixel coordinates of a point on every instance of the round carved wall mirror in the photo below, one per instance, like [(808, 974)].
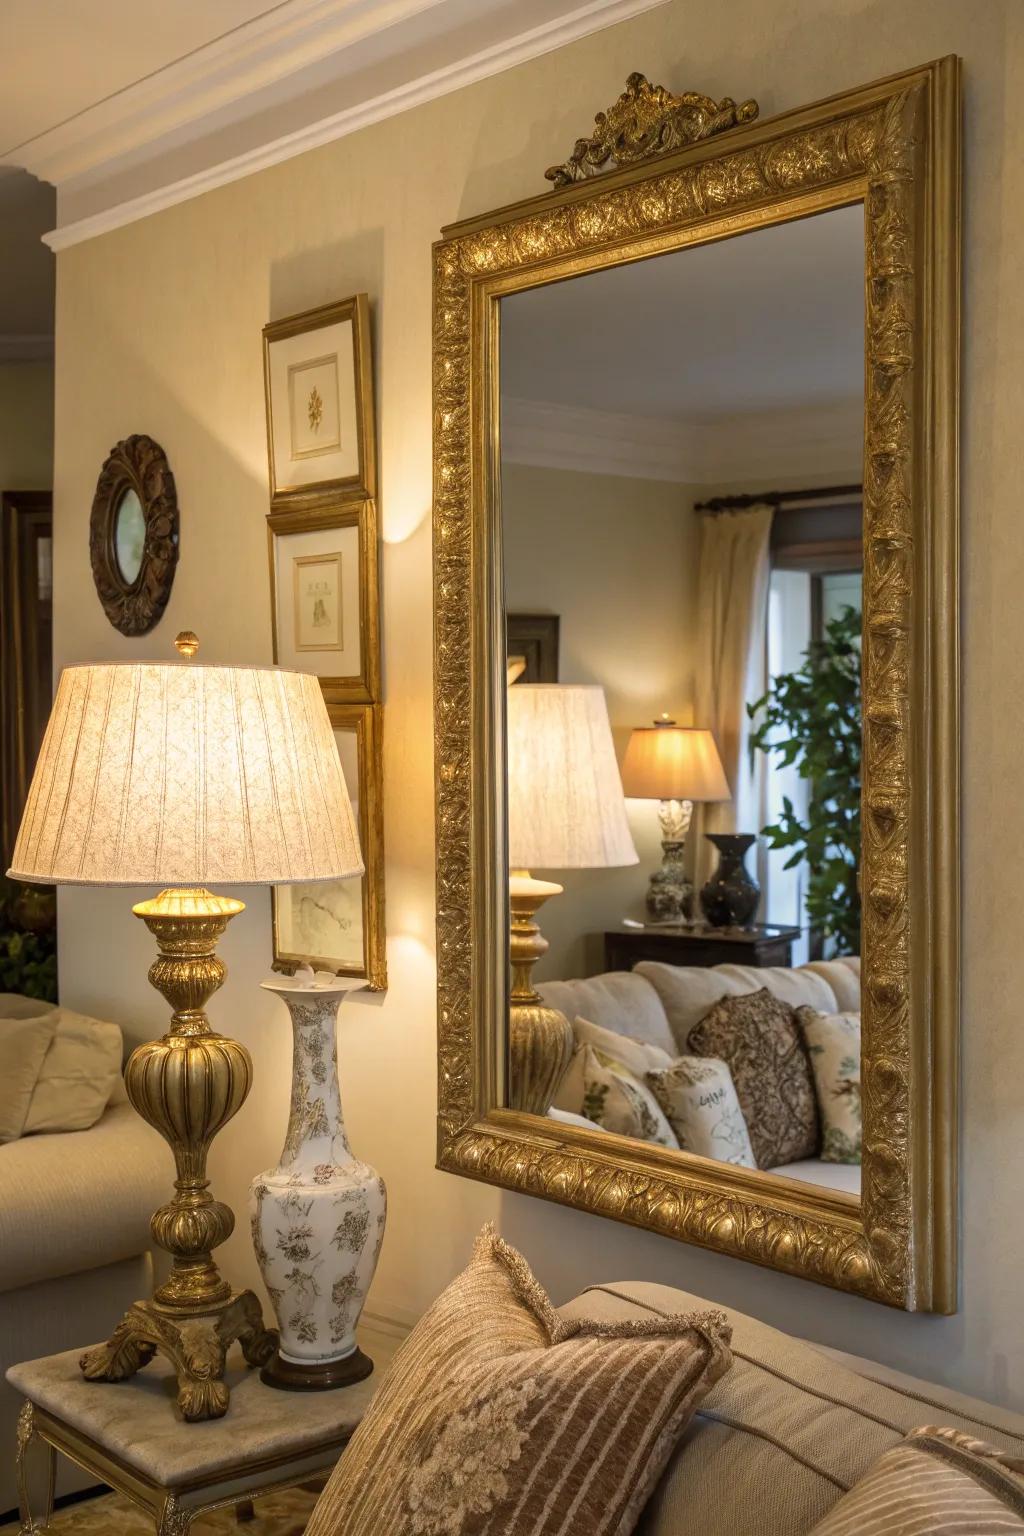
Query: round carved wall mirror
[(133, 534)]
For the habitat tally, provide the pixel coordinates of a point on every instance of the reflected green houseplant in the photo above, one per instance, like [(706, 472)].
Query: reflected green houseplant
[(810, 719)]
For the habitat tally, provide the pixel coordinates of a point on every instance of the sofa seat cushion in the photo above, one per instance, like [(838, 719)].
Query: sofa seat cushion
[(621, 1001), (78, 1199), (789, 1430), (688, 992)]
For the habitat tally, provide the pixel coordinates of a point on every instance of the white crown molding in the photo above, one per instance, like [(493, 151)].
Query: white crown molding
[(734, 450), (239, 74), (16, 348)]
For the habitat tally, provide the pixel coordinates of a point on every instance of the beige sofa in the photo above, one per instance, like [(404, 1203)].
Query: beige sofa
[(660, 1004), (74, 1245), (789, 1428)]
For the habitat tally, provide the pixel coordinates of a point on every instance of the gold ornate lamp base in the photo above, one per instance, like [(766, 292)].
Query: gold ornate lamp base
[(540, 1038), (187, 1086)]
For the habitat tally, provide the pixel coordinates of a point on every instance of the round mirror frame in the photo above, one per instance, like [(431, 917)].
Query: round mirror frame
[(137, 463)]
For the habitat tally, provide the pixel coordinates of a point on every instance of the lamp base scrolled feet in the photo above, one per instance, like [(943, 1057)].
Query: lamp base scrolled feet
[(196, 1348)]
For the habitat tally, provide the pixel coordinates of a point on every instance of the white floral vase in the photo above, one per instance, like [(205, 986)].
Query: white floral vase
[(318, 1217)]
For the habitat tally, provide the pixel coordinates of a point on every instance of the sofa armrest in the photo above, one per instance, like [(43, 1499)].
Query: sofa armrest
[(74, 1200)]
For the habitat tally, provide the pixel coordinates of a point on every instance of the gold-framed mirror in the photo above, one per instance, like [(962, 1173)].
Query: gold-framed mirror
[(700, 405)]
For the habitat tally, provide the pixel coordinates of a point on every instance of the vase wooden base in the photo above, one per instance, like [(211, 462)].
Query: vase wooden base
[(297, 1376)]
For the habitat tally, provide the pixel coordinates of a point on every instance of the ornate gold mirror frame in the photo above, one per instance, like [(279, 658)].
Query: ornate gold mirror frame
[(895, 146)]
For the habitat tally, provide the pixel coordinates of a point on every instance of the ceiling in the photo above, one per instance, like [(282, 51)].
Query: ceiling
[(59, 59), (128, 106), (767, 321)]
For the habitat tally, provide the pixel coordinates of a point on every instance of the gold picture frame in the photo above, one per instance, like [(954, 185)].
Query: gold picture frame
[(365, 724), (895, 146), (290, 539), (318, 384)]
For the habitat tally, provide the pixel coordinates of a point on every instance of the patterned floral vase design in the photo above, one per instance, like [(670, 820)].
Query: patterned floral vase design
[(318, 1217)]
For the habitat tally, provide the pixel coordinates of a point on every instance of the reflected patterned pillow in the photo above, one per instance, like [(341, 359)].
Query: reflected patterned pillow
[(759, 1040), (498, 1416), (637, 1056), (601, 1089), (833, 1044), (699, 1098)]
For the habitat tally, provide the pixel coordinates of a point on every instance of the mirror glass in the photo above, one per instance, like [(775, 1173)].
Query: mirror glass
[(129, 535), (681, 467)]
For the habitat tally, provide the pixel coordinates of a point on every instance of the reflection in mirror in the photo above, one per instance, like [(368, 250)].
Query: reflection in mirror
[(129, 535), (681, 464)]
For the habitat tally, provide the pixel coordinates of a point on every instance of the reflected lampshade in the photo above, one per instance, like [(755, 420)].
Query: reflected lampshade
[(672, 762), (185, 775), (566, 808)]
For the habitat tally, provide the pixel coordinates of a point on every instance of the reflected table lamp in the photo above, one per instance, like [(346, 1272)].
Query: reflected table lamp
[(177, 775), (675, 765), (566, 810)]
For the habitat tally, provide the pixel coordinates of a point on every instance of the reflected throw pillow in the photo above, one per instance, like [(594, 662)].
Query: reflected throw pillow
[(604, 1091), (635, 1055), (833, 1044), (936, 1482), (759, 1040), (699, 1098), (79, 1075), (500, 1418)]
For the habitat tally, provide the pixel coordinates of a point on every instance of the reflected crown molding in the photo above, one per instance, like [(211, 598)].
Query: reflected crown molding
[(805, 440)]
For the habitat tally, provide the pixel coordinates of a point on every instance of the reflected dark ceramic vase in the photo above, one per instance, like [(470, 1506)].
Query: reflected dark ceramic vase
[(729, 900)]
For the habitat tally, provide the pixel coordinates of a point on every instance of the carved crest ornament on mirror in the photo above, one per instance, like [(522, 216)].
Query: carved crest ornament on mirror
[(696, 708)]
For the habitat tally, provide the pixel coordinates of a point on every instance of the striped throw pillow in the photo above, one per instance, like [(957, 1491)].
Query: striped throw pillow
[(500, 1418), (936, 1482)]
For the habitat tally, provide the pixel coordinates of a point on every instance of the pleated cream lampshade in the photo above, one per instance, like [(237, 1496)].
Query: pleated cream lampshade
[(565, 803), (187, 775)]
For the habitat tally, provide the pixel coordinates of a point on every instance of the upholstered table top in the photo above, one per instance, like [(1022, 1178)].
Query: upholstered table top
[(135, 1422)]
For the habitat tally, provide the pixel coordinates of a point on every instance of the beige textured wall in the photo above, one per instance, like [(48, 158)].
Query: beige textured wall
[(159, 331), (26, 426), (616, 558)]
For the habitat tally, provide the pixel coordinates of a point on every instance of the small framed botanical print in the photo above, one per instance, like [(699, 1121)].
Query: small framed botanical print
[(323, 573), (339, 926), (320, 420)]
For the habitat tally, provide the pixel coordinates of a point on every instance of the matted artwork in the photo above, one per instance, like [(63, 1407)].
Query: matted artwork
[(339, 925), (320, 418), (317, 602), (323, 573)]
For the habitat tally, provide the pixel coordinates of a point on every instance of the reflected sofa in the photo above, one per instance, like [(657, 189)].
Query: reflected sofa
[(659, 1004)]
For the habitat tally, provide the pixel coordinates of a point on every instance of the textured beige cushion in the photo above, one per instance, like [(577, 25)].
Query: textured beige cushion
[(13, 1005), (843, 977), (605, 1092), (938, 1482), (699, 1098), (795, 1425), (688, 992), (81, 1070), (759, 1039), (501, 1418), (618, 1000), (24, 1043), (77, 1199)]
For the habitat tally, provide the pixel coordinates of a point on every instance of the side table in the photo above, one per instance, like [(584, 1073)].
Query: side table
[(763, 944), (130, 1435)]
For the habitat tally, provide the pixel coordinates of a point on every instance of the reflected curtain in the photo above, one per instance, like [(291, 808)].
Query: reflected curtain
[(732, 608)]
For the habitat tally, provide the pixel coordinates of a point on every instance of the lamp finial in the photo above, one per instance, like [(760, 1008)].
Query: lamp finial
[(186, 644)]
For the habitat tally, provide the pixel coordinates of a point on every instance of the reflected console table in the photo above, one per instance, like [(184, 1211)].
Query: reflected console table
[(762, 944)]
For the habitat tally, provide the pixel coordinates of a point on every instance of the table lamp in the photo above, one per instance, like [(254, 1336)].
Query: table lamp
[(565, 811), (676, 765), (174, 775)]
